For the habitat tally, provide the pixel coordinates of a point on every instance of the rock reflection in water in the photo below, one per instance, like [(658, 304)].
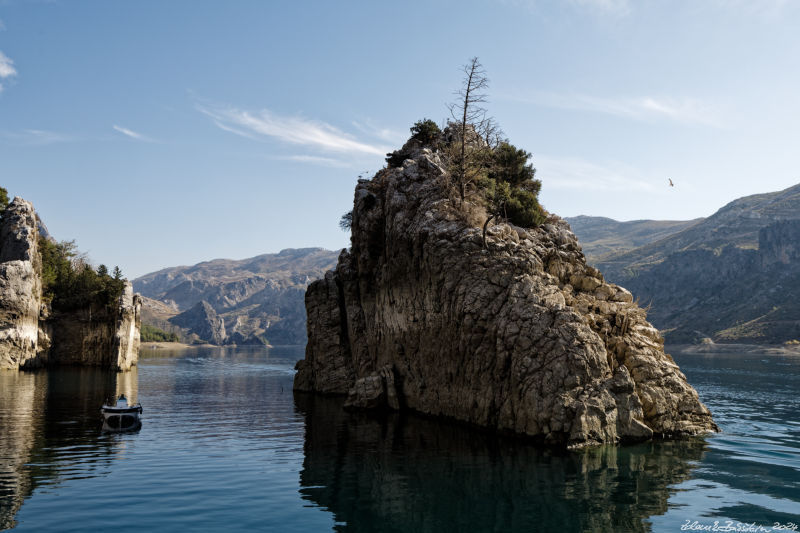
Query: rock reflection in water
[(404, 473), (50, 429)]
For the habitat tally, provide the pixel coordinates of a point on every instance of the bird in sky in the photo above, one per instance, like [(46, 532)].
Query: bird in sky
[(670, 182)]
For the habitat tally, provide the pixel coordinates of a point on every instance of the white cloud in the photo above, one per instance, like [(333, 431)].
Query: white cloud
[(293, 130), (132, 134), (316, 160), (2, 26), (7, 69), (367, 127), (615, 7), (687, 111), (764, 8), (35, 137), (600, 7), (576, 174)]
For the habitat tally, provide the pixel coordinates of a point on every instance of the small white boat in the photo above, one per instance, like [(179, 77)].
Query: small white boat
[(121, 416)]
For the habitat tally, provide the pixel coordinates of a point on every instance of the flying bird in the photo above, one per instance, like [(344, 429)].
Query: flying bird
[(670, 182)]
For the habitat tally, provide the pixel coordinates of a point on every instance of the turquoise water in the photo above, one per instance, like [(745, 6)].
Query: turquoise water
[(226, 446)]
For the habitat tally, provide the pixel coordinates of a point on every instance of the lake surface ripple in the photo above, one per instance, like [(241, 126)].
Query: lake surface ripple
[(226, 446)]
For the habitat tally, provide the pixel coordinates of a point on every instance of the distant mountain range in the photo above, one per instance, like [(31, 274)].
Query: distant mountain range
[(731, 277), (259, 300)]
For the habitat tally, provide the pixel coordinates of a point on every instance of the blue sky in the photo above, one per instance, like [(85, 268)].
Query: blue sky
[(167, 133)]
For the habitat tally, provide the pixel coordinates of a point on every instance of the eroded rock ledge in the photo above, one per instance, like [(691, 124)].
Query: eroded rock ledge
[(521, 337)]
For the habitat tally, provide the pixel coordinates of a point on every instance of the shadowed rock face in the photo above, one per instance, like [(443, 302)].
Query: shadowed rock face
[(521, 337)]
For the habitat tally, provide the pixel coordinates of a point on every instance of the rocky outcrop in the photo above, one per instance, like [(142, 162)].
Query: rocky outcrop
[(780, 243), (20, 286), (203, 321), (33, 335), (98, 335), (519, 336)]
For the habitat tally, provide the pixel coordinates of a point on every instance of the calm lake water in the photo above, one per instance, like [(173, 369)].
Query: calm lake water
[(226, 446)]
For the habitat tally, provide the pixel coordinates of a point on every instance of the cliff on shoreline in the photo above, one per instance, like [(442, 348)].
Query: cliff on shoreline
[(32, 333), (516, 335)]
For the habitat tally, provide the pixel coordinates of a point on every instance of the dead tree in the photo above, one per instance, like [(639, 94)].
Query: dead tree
[(468, 111)]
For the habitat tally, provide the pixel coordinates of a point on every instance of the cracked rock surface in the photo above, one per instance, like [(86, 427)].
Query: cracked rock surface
[(521, 336)]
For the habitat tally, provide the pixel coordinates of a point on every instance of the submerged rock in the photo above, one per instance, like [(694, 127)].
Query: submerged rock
[(521, 336)]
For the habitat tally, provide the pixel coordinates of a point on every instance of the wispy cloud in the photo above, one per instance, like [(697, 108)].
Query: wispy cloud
[(614, 7), (316, 160), (7, 69), (265, 124), (763, 8), (34, 137), (369, 128), (600, 7), (2, 26), (132, 134), (687, 111), (577, 174)]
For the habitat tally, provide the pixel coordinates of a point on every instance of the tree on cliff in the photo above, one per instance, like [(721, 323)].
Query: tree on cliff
[(469, 115), (510, 188), (3, 199), (69, 282)]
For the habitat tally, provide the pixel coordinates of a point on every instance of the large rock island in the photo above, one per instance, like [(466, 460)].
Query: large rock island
[(35, 333), (515, 334)]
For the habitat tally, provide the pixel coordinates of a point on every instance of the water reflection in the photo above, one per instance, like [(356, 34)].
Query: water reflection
[(405, 473), (50, 429)]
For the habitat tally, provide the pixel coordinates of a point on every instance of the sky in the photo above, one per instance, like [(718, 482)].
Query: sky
[(158, 134)]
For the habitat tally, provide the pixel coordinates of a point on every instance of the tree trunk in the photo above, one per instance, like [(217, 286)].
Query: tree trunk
[(485, 225)]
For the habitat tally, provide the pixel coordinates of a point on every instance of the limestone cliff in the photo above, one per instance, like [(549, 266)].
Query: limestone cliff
[(98, 336), (33, 335), (20, 285), (521, 336)]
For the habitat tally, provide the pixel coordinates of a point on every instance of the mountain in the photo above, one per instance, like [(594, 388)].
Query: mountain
[(737, 224), (250, 301), (731, 277), (601, 236)]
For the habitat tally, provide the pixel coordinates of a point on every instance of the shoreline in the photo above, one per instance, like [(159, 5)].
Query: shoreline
[(745, 349), (161, 345)]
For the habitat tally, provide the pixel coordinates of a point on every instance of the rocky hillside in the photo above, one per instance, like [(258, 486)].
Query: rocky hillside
[(250, 301), (732, 277), (519, 335), (35, 333), (601, 236), (737, 224)]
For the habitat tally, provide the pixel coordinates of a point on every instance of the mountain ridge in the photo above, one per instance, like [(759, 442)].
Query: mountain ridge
[(255, 300), (731, 277)]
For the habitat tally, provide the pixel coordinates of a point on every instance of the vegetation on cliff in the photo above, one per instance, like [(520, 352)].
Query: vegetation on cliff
[(483, 166), (69, 282)]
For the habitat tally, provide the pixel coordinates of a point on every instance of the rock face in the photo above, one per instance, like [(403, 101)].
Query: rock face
[(108, 338), (20, 285), (521, 337), (730, 294), (203, 320), (31, 335)]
